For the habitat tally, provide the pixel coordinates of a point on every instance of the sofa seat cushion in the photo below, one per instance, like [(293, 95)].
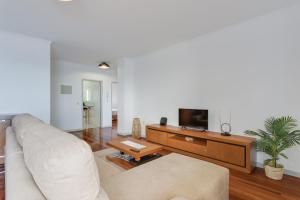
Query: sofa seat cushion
[(170, 176), (22, 124), (19, 183), (62, 165)]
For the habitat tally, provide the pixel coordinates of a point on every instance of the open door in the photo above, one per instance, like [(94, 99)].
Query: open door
[(114, 104), (91, 96)]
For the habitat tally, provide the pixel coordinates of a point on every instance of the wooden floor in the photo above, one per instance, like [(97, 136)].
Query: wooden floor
[(2, 182), (242, 186)]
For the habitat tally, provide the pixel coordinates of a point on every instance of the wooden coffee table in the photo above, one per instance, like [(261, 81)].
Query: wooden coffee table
[(150, 148)]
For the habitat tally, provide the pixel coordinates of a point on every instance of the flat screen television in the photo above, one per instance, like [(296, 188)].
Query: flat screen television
[(192, 118)]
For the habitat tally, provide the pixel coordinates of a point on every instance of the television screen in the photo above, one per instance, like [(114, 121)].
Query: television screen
[(192, 118)]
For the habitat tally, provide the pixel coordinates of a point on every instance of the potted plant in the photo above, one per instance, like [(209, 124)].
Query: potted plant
[(279, 134)]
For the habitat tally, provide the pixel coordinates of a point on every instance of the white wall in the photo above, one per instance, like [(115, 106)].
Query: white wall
[(250, 69), (66, 110), (25, 75), (126, 96)]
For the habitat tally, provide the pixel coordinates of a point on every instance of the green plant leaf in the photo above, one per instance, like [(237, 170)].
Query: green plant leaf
[(267, 161), (253, 133), (283, 155), (280, 134)]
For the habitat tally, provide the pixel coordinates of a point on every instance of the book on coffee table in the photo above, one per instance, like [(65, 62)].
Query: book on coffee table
[(134, 145)]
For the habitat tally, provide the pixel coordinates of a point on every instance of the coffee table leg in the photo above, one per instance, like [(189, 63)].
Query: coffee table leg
[(137, 159)]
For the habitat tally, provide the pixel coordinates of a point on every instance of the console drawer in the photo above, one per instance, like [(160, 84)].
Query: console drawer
[(230, 153), (156, 136)]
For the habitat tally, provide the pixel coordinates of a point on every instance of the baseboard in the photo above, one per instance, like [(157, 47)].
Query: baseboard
[(106, 126), (287, 172), (123, 132), (81, 129), (73, 130)]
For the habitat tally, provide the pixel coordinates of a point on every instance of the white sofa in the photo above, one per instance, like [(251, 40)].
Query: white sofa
[(43, 162)]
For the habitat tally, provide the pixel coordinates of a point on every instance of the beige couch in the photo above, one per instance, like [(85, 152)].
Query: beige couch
[(34, 173)]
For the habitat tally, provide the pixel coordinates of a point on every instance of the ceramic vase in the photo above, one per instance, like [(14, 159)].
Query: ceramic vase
[(136, 128)]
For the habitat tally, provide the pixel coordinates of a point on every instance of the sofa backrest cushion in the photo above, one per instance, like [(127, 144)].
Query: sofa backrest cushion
[(62, 165), (19, 183), (22, 124)]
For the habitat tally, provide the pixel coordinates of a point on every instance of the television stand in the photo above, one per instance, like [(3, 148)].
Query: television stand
[(236, 152)]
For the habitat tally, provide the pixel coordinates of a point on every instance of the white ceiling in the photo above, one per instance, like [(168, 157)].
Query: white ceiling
[(90, 31)]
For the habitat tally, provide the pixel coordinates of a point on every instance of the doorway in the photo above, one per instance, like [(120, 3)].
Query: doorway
[(91, 104), (114, 104)]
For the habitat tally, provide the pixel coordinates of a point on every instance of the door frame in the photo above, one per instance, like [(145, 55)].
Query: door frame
[(111, 99), (100, 98)]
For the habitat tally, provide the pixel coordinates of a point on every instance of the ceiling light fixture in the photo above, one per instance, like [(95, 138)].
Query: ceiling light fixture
[(103, 65), (65, 0)]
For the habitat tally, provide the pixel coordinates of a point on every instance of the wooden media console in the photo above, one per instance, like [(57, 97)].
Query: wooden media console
[(236, 152)]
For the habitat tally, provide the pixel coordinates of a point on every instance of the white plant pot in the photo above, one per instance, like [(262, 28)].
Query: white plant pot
[(274, 173)]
